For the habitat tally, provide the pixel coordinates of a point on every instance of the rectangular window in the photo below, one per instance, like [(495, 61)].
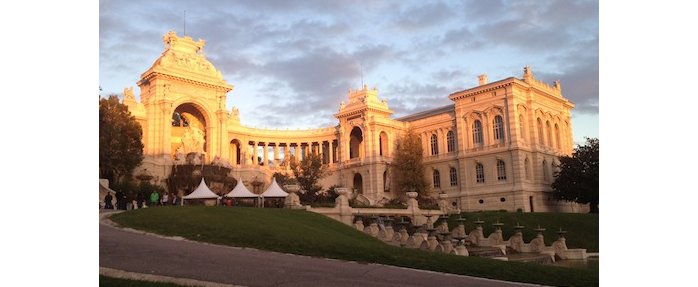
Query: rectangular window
[(454, 177)]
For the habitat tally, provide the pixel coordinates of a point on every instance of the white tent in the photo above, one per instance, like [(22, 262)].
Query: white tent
[(202, 192), (274, 190), (240, 191)]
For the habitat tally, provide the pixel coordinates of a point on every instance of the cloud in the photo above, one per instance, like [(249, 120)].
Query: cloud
[(423, 16)]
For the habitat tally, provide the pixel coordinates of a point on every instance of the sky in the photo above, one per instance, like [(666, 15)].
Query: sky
[(292, 62)]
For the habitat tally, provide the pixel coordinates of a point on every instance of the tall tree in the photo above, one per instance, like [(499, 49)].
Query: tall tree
[(120, 146), (578, 178), (408, 169), (308, 172)]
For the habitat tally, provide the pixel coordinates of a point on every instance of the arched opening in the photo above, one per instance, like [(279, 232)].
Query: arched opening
[(383, 144), (358, 184), (188, 133), (477, 132), (498, 129), (386, 181), (450, 142), (235, 151), (355, 139), (434, 144)]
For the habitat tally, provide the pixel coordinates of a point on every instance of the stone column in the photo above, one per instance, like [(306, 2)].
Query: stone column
[(265, 155), (253, 156), (287, 154), (297, 152), (331, 151), (276, 154)]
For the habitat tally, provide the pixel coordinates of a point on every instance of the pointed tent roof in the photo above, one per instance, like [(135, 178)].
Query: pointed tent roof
[(201, 192), (274, 190), (240, 191)]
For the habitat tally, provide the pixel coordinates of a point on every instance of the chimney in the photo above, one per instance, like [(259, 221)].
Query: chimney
[(482, 79)]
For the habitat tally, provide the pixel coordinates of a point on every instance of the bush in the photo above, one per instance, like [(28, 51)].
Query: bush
[(427, 203), (395, 203)]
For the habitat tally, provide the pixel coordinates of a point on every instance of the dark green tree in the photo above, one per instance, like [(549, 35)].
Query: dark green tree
[(407, 167), (308, 172), (578, 177), (120, 146)]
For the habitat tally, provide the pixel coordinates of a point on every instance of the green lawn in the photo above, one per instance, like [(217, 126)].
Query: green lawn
[(306, 233)]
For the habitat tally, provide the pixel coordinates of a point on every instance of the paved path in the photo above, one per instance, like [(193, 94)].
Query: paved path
[(164, 257)]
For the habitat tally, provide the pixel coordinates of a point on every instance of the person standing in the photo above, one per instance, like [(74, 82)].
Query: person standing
[(154, 198), (107, 201), (119, 200)]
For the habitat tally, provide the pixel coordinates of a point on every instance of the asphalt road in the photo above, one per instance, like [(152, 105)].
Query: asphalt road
[(149, 254)]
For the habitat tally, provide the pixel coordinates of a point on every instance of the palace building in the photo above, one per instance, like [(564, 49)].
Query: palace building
[(494, 148)]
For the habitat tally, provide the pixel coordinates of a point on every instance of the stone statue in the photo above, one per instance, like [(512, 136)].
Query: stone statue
[(193, 140), (128, 94)]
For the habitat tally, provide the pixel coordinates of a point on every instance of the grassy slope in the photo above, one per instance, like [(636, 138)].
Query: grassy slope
[(306, 233)]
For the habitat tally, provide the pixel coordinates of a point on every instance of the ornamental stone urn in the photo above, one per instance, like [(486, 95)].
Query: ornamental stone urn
[(292, 201)]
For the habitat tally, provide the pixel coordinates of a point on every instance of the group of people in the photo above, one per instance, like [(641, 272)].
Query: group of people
[(123, 203), (165, 199)]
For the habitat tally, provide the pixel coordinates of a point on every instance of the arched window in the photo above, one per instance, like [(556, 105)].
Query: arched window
[(521, 127), (557, 136), (477, 132), (498, 129), (437, 179), (540, 132), (434, 145), (383, 144), (501, 170), (454, 176), (479, 173), (546, 176), (451, 140)]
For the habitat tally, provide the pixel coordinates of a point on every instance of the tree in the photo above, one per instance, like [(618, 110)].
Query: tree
[(120, 146), (308, 172), (408, 170), (578, 178)]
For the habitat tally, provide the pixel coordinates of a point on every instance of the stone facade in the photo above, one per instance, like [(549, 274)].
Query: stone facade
[(494, 148)]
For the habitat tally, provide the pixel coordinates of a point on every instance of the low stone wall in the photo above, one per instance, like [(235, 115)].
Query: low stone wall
[(344, 213)]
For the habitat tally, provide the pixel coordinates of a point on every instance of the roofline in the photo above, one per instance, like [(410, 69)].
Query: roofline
[(480, 88), (427, 113)]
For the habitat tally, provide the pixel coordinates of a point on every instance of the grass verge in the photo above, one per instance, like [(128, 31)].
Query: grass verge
[(306, 233)]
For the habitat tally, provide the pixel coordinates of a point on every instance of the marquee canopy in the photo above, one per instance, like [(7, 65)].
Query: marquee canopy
[(240, 191), (274, 190), (202, 192)]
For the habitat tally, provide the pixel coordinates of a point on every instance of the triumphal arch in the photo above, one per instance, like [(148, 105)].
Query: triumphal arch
[(494, 148)]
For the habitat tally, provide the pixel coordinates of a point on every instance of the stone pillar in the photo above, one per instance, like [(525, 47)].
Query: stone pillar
[(297, 152), (253, 156), (331, 151), (265, 154), (342, 204), (276, 154), (287, 154)]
